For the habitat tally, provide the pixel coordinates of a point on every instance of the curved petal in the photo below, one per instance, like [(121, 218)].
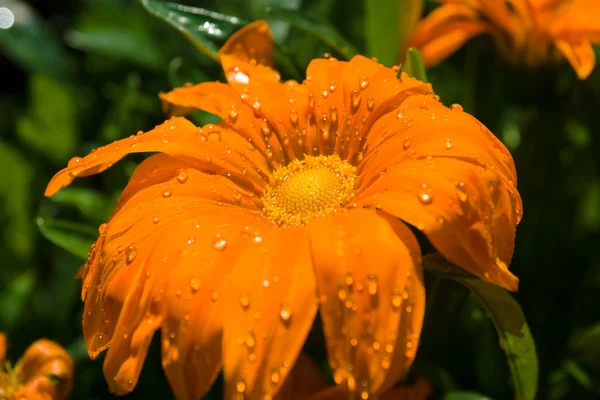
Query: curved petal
[(420, 390), (220, 99), (348, 97), (2, 347), (465, 209), (248, 54), (368, 269), (445, 30), (304, 382), (269, 309), (211, 149), (168, 218), (579, 53), (43, 359)]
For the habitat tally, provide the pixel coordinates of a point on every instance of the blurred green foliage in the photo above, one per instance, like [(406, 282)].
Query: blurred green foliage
[(79, 74)]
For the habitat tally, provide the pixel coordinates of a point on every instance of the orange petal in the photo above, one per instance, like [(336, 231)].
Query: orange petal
[(2, 347), (248, 54), (269, 309), (579, 53), (203, 148), (350, 96), (304, 381), (369, 279), (43, 358), (464, 208), (444, 31), (220, 99)]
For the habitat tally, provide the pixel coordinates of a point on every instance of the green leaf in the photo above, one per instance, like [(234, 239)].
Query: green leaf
[(74, 237), (204, 28), (92, 204), (50, 125), (14, 298), (465, 396), (413, 65), (127, 34), (31, 44), (508, 318), (318, 28), (387, 26), (15, 201)]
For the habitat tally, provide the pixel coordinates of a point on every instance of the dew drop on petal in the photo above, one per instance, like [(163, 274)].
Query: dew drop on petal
[(364, 83), (294, 118), (155, 219), (250, 340), (355, 97), (407, 143), (167, 193), (131, 253), (182, 176), (425, 198), (244, 301), (448, 144), (195, 284), (456, 107), (285, 313), (219, 243), (396, 299), (102, 229), (460, 191)]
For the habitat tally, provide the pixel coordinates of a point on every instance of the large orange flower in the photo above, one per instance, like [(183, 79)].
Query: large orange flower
[(231, 238), (529, 31), (45, 372)]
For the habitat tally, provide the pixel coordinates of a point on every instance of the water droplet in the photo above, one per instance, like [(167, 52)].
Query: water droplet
[(448, 144), (396, 299), (407, 143), (131, 253), (342, 293), (432, 118), (215, 295), (250, 340), (372, 285), (244, 301), (376, 345), (240, 387), (349, 279), (370, 103), (275, 376), (353, 342), (73, 162), (460, 191), (456, 107), (364, 83), (333, 112), (252, 357), (294, 118), (155, 219), (167, 193), (285, 313), (425, 198), (219, 243), (355, 97), (195, 284), (233, 115), (182, 176), (102, 229), (364, 395)]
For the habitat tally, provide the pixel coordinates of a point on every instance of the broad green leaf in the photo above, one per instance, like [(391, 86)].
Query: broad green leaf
[(465, 396), (31, 44), (92, 204), (508, 318), (15, 201), (204, 28), (74, 237), (123, 31), (320, 29), (50, 124), (388, 23), (280, 29), (413, 65)]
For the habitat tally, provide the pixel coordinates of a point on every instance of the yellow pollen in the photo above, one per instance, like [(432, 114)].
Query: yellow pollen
[(9, 384), (306, 189)]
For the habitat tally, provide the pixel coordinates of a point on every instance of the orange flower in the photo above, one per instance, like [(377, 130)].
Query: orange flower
[(230, 239), (528, 31), (45, 372)]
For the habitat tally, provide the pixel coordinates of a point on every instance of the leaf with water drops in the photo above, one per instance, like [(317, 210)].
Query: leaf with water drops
[(413, 65), (74, 237), (508, 318), (320, 29), (206, 29)]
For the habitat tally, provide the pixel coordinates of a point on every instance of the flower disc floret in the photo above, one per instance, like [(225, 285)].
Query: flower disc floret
[(305, 189)]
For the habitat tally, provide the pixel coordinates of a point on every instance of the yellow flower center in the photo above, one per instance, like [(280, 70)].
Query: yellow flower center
[(306, 189)]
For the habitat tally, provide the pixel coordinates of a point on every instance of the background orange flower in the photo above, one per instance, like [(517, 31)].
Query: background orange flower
[(525, 31)]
